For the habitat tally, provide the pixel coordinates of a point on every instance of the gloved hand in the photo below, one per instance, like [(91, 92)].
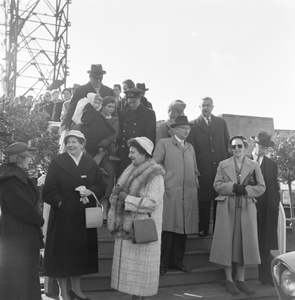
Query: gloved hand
[(116, 190), (239, 189), (122, 196)]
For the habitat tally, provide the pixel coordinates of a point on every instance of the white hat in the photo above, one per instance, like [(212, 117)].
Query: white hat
[(75, 133), (145, 143)]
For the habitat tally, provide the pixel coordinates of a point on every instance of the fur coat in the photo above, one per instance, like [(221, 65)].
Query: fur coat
[(133, 179)]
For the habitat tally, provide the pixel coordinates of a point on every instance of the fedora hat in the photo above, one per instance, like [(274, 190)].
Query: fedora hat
[(141, 86), (96, 70), (181, 120), (263, 139)]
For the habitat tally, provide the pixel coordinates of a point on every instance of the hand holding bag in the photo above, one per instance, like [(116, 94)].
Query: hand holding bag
[(143, 231), (93, 215)]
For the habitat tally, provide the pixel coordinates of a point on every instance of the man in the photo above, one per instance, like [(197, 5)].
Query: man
[(267, 206), (93, 86), (180, 209), (135, 121), (117, 92), (209, 137), (67, 95), (144, 101)]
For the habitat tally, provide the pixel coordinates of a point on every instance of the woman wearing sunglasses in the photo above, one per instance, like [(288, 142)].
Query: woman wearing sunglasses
[(238, 181)]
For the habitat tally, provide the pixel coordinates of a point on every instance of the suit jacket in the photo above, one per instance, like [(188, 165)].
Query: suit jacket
[(140, 122), (80, 93), (211, 147), (268, 204)]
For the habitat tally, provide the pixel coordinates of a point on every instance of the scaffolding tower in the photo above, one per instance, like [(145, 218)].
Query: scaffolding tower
[(36, 46)]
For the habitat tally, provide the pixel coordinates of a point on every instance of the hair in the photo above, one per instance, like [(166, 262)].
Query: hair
[(67, 89), (107, 100), (118, 86), (129, 83), (133, 143), (80, 140), (55, 91), (207, 98)]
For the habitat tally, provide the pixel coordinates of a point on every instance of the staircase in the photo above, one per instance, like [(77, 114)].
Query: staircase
[(196, 257)]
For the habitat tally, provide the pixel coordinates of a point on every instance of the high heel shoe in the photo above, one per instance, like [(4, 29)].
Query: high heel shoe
[(74, 296)]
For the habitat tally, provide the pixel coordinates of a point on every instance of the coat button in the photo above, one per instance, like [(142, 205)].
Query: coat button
[(122, 146), (212, 150), (135, 124), (123, 130)]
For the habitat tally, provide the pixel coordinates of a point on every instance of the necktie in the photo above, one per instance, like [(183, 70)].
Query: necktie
[(208, 121)]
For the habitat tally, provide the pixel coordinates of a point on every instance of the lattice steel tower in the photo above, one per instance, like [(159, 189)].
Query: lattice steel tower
[(36, 45)]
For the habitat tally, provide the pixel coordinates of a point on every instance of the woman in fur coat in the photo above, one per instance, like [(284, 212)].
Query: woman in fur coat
[(136, 267), (20, 232)]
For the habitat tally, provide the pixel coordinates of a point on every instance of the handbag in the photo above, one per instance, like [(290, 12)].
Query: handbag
[(143, 231), (93, 215)]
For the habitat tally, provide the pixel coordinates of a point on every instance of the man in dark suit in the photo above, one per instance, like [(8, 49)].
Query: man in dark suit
[(210, 137), (267, 206), (93, 86), (135, 121)]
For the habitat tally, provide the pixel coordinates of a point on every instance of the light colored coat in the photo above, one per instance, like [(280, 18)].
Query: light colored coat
[(222, 244), (180, 211)]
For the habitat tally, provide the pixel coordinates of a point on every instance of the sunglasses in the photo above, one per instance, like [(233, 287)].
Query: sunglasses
[(240, 146)]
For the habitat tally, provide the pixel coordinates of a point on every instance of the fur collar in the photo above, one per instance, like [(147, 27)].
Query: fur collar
[(12, 170)]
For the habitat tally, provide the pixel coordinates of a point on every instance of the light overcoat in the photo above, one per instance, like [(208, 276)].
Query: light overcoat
[(222, 244), (180, 211)]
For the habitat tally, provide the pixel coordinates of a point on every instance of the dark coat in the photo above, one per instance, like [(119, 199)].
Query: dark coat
[(140, 122), (95, 127), (210, 144), (268, 205), (80, 93), (71, 249), (57, 111), (20, 234)]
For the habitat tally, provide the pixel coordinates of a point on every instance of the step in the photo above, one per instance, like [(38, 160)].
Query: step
[(205, 274)]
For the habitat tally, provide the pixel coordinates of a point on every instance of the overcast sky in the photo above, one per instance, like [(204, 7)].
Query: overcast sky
[(239, 52)]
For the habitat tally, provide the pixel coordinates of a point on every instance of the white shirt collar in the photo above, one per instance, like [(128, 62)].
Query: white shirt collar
[(76, 160), (255, 158), (179, 140)]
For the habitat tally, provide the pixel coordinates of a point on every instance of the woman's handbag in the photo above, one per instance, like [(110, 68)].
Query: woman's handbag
[(93, 215), (143, 231)]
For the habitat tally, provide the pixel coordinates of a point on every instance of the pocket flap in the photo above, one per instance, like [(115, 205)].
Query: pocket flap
[(220, 198)]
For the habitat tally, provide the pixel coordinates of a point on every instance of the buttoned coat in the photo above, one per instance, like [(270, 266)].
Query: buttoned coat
[(180, 211), (211, 147), (140, 122), (71, 248), (80, 93), (222, 244), (268, 205)]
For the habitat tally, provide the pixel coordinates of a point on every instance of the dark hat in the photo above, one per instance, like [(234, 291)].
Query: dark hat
[(181, 120), (238, 136), (96, 70), (263, 139), (133, 93), (141, 86), (18, 148)]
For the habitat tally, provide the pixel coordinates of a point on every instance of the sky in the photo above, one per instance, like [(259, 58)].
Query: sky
[(241, 53)]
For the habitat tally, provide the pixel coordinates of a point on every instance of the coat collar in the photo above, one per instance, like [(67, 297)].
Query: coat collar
[(134, 115), (203, 125), (175, 142), (230, 169), (66, 162)]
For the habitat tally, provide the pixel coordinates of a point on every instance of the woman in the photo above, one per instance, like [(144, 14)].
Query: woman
[(20, 232), (238, 181), (175, 109), (135, 268), (71, 248), (108, 146)]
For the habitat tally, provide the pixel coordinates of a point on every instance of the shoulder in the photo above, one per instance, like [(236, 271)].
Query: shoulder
[(218, 119)]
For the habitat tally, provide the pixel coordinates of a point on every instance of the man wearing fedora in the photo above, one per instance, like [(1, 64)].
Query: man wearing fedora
[(93, 86), (144, 101), (135, 121), (180, 210), (267, 205), (209, 137)]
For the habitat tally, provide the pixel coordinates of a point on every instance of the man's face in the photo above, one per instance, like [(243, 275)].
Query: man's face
[(125, 87), (96, 80), (67, 95), (182, 131), (133, 102), (260, 150), (206, 107), (117, 91)]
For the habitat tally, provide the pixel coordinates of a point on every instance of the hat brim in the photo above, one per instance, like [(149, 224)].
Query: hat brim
[(95, 73), (254, 139), (180, 124)]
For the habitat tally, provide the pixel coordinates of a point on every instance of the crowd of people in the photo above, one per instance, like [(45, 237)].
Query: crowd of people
[(174, 174)]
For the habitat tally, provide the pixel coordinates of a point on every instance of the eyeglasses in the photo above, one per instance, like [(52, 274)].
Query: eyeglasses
[(97, 77), (240, 146)]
